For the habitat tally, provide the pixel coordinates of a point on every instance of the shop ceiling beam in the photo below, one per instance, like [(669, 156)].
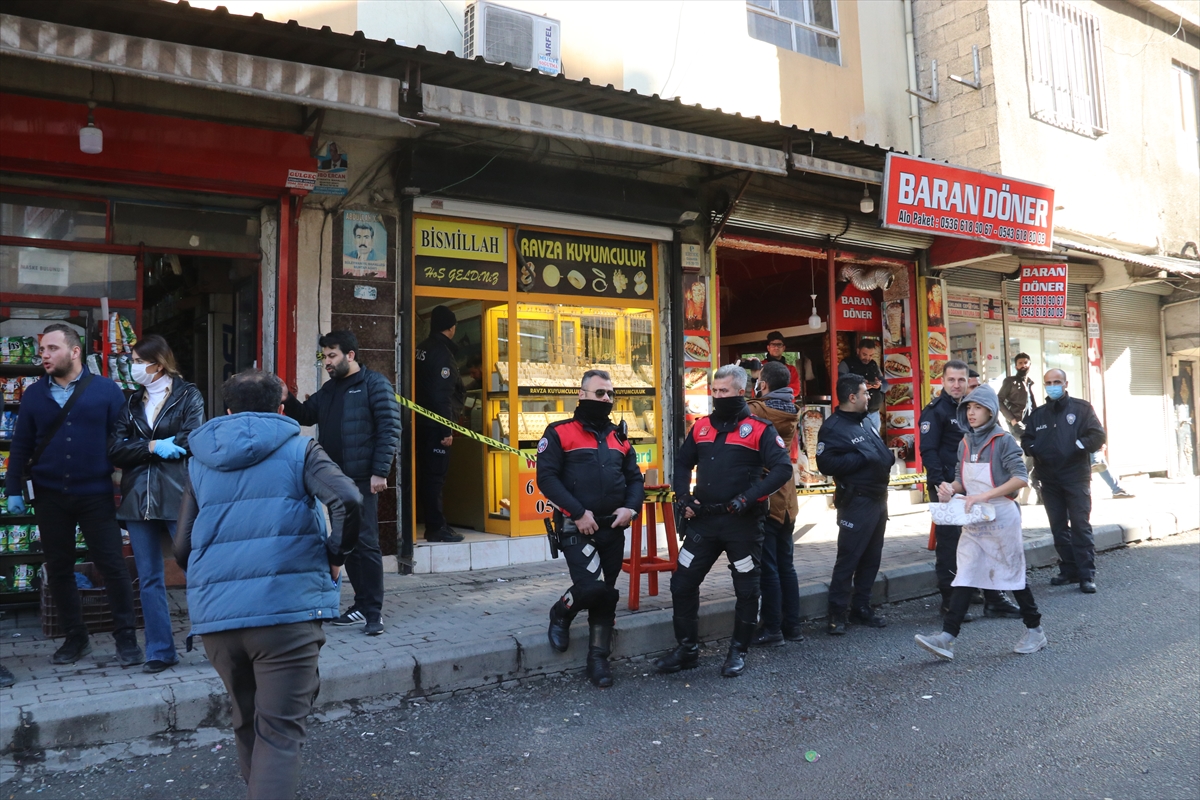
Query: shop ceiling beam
[(186, 65), (835, 169), (455, 105)]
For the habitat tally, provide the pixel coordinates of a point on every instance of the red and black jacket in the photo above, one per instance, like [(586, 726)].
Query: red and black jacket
[(583, 469), (740, 456)]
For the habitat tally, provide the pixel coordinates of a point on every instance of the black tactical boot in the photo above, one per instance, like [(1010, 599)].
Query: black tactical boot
[(1002, 607), (837, 621), (735, 661), (687, 654), (559, 632), (599, 649)]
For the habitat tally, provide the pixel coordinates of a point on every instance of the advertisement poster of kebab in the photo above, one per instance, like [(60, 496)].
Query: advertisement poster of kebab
[(900, 406), (937, 346)]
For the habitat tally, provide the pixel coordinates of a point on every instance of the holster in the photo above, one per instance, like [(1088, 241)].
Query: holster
[(554, 531)]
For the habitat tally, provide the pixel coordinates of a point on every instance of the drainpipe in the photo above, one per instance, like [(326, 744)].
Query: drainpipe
[(910, 47)]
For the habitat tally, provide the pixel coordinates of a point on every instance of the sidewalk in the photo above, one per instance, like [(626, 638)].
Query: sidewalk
[(463, 630)]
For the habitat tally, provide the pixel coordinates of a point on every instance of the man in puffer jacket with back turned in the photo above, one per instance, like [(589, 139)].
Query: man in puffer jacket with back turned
[(262, 574)]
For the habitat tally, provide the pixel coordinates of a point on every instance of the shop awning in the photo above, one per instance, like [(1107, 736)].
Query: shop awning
[(323, 87), (830, 227), (456, 105), (1178, 266)]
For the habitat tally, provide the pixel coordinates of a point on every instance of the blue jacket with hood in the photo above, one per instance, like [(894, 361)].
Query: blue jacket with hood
[(252, 536)]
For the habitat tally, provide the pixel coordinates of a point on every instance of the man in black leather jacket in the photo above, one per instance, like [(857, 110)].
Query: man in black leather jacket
[(589, 471), (359, 427)]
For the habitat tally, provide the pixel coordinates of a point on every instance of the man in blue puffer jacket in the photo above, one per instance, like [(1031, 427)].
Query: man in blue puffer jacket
[(262, 573)]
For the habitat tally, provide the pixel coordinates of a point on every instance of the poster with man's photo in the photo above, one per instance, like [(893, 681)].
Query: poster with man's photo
[(364, 245)]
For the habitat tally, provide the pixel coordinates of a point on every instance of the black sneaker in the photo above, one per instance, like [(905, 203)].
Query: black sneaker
[(766, 638), (793, 634), (443, 534), (352, 617), (374, 628), (865, 616), (155, 665), (73, 649), (129, 652), (1062, 580)]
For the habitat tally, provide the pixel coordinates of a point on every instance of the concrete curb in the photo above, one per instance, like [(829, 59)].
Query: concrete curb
[(375, 681)]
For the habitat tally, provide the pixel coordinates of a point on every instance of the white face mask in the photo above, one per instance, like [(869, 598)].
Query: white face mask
[(139, 374)]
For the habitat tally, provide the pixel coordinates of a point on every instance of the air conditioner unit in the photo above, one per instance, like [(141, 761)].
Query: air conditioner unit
[(502, 35)]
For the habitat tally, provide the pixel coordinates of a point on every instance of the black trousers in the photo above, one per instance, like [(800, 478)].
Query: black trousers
[(946, 563), (1069, 508), (271, 675), (960, 601), (740, 539), (861, 524), (595, 564), (364, 564), (433, 462), (57, 515)]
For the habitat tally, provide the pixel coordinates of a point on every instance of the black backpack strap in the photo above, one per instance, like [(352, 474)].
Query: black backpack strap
[(58, 422)]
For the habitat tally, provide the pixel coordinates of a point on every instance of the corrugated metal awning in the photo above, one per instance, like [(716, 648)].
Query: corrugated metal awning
[(354, 92), (455, 105), (1180, 266), (834, 228)]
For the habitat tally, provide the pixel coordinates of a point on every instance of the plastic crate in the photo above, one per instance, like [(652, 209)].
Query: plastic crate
[(97, 612)]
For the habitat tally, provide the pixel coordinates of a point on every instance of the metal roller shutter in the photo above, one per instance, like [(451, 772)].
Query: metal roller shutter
[(1136, 411), (980, 280)]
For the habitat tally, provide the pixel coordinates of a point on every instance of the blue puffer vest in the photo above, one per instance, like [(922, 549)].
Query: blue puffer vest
[(258, 542)]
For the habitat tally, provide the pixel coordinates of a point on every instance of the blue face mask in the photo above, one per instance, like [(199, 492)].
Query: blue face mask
[(1054, 392)]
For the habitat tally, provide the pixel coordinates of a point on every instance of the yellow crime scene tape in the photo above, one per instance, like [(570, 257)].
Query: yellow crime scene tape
[(652, 495)]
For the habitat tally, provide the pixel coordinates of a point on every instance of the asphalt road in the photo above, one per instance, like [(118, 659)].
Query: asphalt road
[(1110, 709)]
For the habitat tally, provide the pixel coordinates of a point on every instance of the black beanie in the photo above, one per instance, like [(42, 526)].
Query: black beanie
[(442, 319)]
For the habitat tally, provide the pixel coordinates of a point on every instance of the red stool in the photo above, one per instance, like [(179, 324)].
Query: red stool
[(650, 564)]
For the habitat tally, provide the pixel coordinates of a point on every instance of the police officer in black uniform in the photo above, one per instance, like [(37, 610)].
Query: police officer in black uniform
[(851, 451), (588, 469), (438, 388), (940, 438), (740, 461)]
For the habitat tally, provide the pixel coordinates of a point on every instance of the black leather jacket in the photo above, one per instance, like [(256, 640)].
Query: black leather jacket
[(152, 487)]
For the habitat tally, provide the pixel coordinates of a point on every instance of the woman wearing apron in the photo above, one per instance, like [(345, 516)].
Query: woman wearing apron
[(991, 555)]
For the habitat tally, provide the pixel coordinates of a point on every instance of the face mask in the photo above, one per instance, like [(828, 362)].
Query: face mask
[(139, 374), (728, 407), (1054, 392), (1021, 373), (594, 411)]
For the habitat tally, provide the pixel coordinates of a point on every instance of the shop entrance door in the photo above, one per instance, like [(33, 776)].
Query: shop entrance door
[(206, 307)]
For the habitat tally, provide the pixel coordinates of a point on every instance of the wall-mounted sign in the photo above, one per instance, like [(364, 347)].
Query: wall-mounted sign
[(555, 263), (691, 257), (364, 245), (301, 179), (924, 196), (43, 268), (1043, 292), (332, 166), (857, 311), (460, 255)]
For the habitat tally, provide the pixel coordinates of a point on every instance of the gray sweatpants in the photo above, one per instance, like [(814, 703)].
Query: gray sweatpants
[(272, 679)]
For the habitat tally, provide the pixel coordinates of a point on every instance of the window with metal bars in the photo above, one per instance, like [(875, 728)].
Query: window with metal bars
[(1065, 68), (805, 26)]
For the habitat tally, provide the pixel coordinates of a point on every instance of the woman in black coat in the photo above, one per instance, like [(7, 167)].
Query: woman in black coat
[(150, 446)]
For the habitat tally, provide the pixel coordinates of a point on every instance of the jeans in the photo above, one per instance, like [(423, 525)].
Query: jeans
[(57, 515), (364, 564), (873, 420), (1111, 481), (779, 586), (146, 537)]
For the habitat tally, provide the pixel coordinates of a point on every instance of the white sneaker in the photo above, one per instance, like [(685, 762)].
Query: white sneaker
[(1032, 641), (940, 644)]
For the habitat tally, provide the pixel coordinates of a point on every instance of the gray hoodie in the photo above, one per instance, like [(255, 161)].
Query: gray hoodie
[(1003, 451)]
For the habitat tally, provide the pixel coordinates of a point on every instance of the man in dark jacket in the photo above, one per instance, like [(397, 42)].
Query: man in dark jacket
[(438, 388), (940, 440), (1061, 435), (740, 461), (589, 471), (1016, 404), (262, 573), (359, 427), (851, 451), (71, 485), (866, 367)]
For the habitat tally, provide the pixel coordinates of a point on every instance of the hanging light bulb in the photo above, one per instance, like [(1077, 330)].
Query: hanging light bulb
[(866, 205), (814, 319), (91, 138)]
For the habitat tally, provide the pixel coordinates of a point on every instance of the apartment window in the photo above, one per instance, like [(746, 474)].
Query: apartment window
[(1066, 71), (1187, 101), (805, 26)]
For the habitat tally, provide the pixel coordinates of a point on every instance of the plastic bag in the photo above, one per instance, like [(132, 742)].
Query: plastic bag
[(954, 513)]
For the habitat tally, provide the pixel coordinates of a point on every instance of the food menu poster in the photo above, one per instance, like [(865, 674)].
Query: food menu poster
[(937, 345), (899, 347), (697, 346)]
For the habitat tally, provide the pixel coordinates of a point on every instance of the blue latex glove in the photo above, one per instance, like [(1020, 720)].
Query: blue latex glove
[(16, 505), (166, 448)]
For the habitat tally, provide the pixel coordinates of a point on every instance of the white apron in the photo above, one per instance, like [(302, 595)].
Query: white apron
[(991, 555)]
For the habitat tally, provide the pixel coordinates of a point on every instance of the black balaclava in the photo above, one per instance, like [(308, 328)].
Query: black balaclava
[(593, 412), (728, 408)]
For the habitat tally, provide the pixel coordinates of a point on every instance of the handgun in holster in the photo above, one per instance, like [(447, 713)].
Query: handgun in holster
[(681, 520), (553, 525), (843, 494)]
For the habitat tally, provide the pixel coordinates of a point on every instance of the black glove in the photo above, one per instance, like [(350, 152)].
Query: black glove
[(739, 506)]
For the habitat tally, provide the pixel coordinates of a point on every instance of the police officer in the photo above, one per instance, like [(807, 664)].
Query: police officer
[(588, 469), (438, 388), (1061, 435), (740, 461), (851, 451), (940, 439)]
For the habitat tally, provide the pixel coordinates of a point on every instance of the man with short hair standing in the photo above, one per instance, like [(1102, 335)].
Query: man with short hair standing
[(851, 451), (65, 422), (588, 469), (358, 422), (941, 438), (439, 389), (866, 367), (1061, 435), (262, 569), (1017, 402), (776, 346)]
